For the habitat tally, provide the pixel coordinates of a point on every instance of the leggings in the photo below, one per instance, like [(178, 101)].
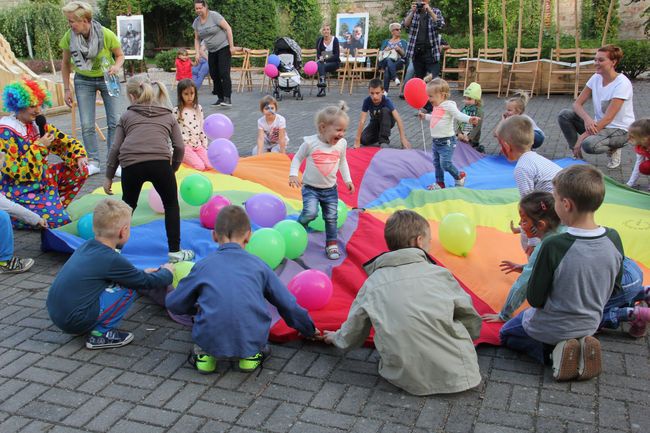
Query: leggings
[(161, 175)]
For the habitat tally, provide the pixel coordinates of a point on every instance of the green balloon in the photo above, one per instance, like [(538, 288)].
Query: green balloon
[(318, 224), (268, 245), (457, 234), (181, 270), (196, 189), (295, 238)]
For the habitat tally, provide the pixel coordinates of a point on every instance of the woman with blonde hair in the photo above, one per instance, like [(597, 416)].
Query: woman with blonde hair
[(327, 54)]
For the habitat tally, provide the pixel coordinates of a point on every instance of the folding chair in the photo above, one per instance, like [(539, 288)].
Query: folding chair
[(495, 58), (566, 57), (240, 56), (526, 64), (248, 68), (455, 53), (364, 62), (585, 67)]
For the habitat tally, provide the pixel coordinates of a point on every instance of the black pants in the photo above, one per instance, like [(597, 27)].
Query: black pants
[(378, 129), (219, 64), (423, 63), (161, 175)]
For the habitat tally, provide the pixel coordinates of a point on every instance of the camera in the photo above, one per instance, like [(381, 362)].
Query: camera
[(419, 6)]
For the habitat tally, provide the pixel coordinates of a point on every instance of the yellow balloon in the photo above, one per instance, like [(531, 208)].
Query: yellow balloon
[(181, 270), (457, 234)]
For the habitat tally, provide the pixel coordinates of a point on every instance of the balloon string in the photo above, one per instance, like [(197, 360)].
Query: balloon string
[(424, 141)]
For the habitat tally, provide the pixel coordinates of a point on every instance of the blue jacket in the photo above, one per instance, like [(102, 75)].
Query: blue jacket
[(230, 287)]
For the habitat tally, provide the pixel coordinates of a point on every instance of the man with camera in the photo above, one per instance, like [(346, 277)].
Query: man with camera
[(424, 22)]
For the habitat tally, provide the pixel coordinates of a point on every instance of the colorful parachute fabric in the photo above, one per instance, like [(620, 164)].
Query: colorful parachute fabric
[(386, 180)]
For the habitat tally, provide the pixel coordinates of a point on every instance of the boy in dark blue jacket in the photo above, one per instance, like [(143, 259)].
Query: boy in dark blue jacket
[(226, 293)]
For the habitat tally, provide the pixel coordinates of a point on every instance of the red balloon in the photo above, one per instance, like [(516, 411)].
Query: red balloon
[(415, 93), (644, 168)]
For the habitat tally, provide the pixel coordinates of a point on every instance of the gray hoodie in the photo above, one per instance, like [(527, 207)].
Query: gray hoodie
[(143, 134)]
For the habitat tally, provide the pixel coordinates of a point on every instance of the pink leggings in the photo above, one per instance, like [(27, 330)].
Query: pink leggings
[(197, 157)]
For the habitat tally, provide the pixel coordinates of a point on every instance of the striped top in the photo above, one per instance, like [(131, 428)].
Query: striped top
[(533, 172)]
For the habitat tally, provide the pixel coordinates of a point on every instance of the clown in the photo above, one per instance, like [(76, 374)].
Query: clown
[(27, 177)]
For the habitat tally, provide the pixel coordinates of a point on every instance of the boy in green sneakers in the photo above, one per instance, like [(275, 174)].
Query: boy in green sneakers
[(226, 293)]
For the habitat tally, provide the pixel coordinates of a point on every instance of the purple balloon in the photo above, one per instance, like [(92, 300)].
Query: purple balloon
[(266, 210), (218, 126), (223, 155)]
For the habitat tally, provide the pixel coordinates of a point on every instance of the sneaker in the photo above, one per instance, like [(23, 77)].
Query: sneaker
[(226, 102), (461, 179), (639, 325), (93, 169), (204, 363), (118, 172), (614, 158), (110, 339), (332, 252), (218, 102), (565, 359), (181, 256), (397, 81), (385, 93), (16, 265), (252, 363), (435, 186), (590, 358)]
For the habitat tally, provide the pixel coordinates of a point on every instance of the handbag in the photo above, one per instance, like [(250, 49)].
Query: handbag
[(392, 54)]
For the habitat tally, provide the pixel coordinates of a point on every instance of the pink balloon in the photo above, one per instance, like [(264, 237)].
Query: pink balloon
[(155, 202), (312, 289), (218, 125), (210, 210), (271, 71), (310, 68)]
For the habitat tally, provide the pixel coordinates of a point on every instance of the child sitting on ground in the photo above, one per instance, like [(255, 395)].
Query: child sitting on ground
[(325, 154), (572, 280), (271, 128), (424, 322), (639, 135), (465, 131), (189, 114), (226, 293), (383, 116), (516, 106), (96, 286), (441, 124), (183, 65)]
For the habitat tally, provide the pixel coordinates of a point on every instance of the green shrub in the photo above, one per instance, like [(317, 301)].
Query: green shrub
[(636, 57), (166, 60), (46, 25), (255, 24)]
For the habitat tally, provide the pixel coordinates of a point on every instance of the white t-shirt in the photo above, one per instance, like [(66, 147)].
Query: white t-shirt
[(441, 119), (272, 130), (323, 162), (620, 88)]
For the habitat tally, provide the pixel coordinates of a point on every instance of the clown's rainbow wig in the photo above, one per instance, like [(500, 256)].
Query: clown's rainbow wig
[(23, 94)]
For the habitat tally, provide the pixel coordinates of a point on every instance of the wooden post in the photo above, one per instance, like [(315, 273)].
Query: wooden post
[(471, 29), (557, 24), (576, 22), (505, 30), (607, 23), (541, 28), (521, 18), (485, 23)]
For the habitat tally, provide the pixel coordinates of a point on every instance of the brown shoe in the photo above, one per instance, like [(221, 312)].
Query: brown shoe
[(566, 356), (590, 358)]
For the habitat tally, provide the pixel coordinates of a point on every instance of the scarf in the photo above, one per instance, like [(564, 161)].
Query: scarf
[(84, 51)]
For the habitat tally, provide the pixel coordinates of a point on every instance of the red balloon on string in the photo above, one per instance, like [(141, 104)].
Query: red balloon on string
[(644, 168), (415, 93)]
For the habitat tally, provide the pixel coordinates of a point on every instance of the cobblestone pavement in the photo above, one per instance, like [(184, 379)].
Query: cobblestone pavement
[(49, 382)]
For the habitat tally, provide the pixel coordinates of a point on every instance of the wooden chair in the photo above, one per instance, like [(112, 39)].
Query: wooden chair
[(526, 65), (240, 56), (496, 55), (558, 73), (249, 69), (307, 55), (364, 62), (584, 71), (455, 53)]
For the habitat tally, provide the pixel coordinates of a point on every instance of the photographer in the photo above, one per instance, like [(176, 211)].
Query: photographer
[(423, 50)]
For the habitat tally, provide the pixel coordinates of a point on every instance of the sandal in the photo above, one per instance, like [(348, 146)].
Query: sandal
[(332, 252)]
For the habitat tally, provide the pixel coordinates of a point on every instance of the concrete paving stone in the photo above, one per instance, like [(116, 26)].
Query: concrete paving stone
[(523, 399), (228, 397), (257, 412), (515, 378), (461, 418), (35, 322), (283, 417), (575, 427), (18, 337), (41, 375), (291, 395), (87, 411), (353, 400), (187, 423), (613, 362), (13, 424), (79, 376), (153, 358), (637, 366), (358, 366), (612, 413), (639, 419), (33, 345), (150, 415), (328, 396), (515, 420), (624, 381), (568, 399), (351, 378), (237, 429), (139, 380), (360, 354), (26, 395), (490, 428), (623, 344), (70, 348), (300, 362), (274, 363), (64, 429), (433, 415), (623, 394), (165, 391), (327, 418), (134, 427), (588, 387), (59, 364), (366, 425), (45, 411), (516, 366), (398, 399), (122, 392), (301, 427), (496, 395), (215, 411), (189, 374), (299, 382), (390, 413), (98, 381), (37, 427), (170, 345), (257, 381), (608, 430), (170, 364), (550, 425), (10, 387), (232, 379), (395, 428), (323, 366), (186, 397), (106, 418), (568, 413), (64, 397), (8, 356)]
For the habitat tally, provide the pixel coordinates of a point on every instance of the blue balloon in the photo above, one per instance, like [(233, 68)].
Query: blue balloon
[(85, 226), (274, 60)]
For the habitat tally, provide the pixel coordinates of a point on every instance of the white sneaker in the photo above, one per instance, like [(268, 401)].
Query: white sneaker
[(397, 81), (93, 169), (385, 93), (118, 172), (180, 256), (614, 159)]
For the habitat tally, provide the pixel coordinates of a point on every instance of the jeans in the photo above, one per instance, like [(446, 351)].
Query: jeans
[(443, 151), (632, 291), (328, 198), (325, 67), (6, 237), (114, 302), (607, 139), (390, 68), (513, 336), (423, 63), (539, 138), (85, 89), (219, 63), (378, 129)]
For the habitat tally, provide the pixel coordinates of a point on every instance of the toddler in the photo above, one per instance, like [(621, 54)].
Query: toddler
[(325, 155), (424, 322), (141, 147), (639, 135), (183, 65), (271, 128), (189, 114), (95, 288), (516, 106), (465, 131), (227, 293), (441, 124)]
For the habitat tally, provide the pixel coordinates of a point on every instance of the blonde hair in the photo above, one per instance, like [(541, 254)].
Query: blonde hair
[(145, 92), (326, 24), (268, 100), (583, 184), (80, 10), (520, 99), (330, 114), (438, 85), (181, 52), (517, 131), (110, 216), (394, 25), (403, 228), (640, 129)]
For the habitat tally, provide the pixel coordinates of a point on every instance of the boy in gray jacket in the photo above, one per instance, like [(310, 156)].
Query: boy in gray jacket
[(424, 322)]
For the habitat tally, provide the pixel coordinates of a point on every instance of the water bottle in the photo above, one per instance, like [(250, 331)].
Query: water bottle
[(112, 82), (368, 62)]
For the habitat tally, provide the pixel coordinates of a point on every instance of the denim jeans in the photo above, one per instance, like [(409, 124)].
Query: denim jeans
[(114, 302), (514, 337), (6, 237), (390, 68), (539, 138), (325, 67), (607, 139), (328, 198), (85, 89), (443, 151), (632, 291), (378, 130)]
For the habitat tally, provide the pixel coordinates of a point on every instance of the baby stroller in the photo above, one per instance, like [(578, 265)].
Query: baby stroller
[(288, 80)]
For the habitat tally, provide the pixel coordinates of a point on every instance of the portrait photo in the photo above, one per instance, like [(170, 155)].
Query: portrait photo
[(131, 35), (352, 31)]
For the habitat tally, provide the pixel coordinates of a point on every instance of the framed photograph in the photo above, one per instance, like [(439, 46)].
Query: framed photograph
[(352, 32), (130, 32)]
